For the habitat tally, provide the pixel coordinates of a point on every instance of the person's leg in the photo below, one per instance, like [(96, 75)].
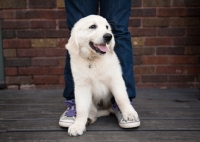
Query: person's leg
[(117, 13), (75, 10)]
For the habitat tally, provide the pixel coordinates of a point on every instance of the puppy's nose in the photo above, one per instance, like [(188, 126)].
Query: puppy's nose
[(107, 37)]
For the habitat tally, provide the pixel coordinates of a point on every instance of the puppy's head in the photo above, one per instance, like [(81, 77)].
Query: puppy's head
[(91, 36)]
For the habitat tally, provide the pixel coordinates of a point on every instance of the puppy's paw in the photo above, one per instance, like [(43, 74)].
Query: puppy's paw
[(76, 129), (130, 114)]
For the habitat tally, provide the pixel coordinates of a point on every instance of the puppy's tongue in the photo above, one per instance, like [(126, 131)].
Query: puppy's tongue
[(102, 47)]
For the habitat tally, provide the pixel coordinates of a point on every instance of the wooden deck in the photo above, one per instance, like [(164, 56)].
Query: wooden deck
[(166, 115)]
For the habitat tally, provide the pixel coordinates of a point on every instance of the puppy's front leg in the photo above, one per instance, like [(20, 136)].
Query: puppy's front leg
[(119, 92), (83, 100)]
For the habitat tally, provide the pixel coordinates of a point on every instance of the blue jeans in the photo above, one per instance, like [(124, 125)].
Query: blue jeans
[(117, 12)]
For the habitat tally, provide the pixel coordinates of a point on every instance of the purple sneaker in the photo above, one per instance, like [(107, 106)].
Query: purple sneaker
[(122, 123), (68, 117)]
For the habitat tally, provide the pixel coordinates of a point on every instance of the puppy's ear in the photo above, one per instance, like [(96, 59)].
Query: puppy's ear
[(72, 45)]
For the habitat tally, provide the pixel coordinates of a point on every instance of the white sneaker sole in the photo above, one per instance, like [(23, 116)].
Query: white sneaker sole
[(65, 124), (130, 125)]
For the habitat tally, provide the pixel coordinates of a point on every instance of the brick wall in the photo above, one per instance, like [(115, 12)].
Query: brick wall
[(165, 35)]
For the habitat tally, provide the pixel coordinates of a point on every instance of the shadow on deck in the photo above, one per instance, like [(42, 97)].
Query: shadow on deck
[(166, 115)]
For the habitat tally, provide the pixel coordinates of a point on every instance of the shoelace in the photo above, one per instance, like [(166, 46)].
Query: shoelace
[(71, 108)]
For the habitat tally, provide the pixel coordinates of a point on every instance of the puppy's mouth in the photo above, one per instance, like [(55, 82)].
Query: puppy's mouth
[(99, 48)]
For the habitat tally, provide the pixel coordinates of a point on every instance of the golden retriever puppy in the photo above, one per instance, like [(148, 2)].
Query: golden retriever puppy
[(96, 72)]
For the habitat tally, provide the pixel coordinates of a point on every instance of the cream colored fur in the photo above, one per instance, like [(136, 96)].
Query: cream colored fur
[(96, 77)]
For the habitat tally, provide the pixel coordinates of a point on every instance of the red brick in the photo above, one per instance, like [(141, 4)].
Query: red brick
[(138, 32), (137, 78), (55, 52), (6, 34), (16, 43), (158, 41), (44, 43), (186, 3), (17, 62), (150, 12), (178, 69), (61, 61), (19, 80), (144, 69), (60, 3), (170, 51), (154, 60), (154, 78), (15, 24), (54, 14), (183, 60), (29, 14), (137, 60), (46, 79), (155, 22), (193, 11), (143, 51), (192, 50), (32, 71), (193, 31), (44, 62), (42, 3), (198, 78), (62, 24), (136, 3), (182, 78), (30, 33), (7, 14), (42, 33), (30, 52), (56, 33), (12, 4), (169, 70), (191, 69), (43, 24), (134, 22), (187, 41), (9, 53), (171, 12), (180, 21), (62, 80), (171, 31), (10, 71), (55, 70), (156, 3)]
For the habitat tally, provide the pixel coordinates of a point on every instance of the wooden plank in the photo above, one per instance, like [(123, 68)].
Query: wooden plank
[(144, 114), (31, 94), (106, 136), (103, 124), (138, 105), (32, 101), (141, 99), (57, 93)]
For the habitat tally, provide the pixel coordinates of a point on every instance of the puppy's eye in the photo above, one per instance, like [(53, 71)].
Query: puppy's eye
[(106, 27), (93, 27)]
